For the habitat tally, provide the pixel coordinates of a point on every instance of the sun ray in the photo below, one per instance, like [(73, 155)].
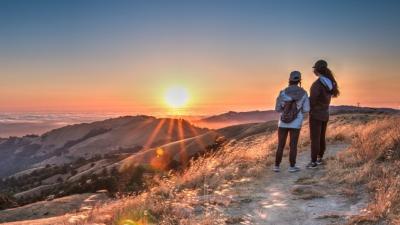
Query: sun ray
[(170, 129), (154, 134), (182, 153), (137, 128)]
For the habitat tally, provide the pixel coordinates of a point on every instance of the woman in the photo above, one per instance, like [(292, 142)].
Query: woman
[(292, 102), (322, 90)]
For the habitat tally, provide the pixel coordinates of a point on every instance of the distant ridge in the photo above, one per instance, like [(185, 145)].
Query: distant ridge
[(232, 117), (355, 109)]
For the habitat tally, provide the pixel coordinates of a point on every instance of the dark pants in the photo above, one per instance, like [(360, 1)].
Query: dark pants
[(317, 136), (294, 138)]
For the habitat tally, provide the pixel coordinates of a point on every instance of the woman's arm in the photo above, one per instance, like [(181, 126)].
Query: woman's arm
[(314, 93)]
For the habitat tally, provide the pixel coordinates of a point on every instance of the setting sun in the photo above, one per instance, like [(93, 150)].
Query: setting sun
[(176, 97)]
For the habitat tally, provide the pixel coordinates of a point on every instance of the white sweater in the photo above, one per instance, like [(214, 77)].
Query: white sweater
[(303, 105)]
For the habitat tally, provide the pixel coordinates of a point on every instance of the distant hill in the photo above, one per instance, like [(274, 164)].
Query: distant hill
[(69, 143), (341, 109), (233, 118)]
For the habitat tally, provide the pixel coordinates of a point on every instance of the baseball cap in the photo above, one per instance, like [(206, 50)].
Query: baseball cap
[(295, 76), (320, 64)]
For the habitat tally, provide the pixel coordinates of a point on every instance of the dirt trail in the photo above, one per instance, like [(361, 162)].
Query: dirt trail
[(292, 198)]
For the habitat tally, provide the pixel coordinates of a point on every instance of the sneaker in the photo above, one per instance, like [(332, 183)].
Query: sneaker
[(293, 169), (319, 161), (276, 169), (312, 165)]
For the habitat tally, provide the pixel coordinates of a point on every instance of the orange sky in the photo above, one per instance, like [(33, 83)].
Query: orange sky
[(81, 57), (212, 88)]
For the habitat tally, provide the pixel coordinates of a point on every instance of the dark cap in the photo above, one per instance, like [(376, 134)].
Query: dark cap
[(320, 64), (295, 76)]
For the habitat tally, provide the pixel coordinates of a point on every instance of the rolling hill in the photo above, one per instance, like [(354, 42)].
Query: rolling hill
[(235, 182), (127, 134)]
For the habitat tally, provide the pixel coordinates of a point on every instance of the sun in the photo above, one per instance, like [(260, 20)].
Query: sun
[(176, 97)]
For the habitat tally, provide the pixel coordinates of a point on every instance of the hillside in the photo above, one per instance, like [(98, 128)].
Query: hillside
[(156, 144), (220, 176), (235, 185), (67, 144), (58, 163)]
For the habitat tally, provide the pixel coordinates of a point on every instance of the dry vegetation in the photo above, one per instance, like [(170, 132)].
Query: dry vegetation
[(195, 195), (373, 161)]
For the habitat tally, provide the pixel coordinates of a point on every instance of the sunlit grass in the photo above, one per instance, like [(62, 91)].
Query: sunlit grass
[(373, 160), (195, 195)]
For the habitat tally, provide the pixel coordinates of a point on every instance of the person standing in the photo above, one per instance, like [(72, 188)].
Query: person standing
[(321, 92), (291, 102)]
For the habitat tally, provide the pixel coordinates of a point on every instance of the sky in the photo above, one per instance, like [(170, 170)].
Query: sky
[(123, 56)]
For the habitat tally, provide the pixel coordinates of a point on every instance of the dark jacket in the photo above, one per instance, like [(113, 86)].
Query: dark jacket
[(320, 99)]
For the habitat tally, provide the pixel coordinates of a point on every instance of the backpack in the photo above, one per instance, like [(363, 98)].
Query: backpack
[(289, 112)]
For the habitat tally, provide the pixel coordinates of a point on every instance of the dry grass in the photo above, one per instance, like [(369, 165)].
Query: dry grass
[(190, 196), (373, 160), (193, 196), (196, 195)]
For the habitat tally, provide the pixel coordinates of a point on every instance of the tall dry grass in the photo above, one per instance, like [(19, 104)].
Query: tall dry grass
[(373, 161)]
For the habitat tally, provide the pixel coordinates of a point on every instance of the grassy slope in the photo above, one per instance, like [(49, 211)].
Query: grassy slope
[(373, 161)]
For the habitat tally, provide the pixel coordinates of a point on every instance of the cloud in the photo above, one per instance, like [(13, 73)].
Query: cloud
[(20, 124)]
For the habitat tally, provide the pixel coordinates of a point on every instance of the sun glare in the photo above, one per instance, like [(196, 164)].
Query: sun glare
[(176, 97)]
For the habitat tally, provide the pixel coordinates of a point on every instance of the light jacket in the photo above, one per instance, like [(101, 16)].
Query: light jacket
[(290, 93)]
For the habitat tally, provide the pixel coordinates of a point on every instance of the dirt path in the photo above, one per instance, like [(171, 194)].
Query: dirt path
[(292, 198)]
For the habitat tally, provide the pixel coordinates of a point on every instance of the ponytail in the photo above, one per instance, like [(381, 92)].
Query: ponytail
[(328, 74)]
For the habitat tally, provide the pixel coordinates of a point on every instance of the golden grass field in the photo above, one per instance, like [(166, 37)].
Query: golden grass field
[(371, 164)]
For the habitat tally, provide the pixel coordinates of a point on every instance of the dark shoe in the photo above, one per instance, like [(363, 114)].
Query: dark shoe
[(294, 169), (319, 161), (312, 165), (276, 169)]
